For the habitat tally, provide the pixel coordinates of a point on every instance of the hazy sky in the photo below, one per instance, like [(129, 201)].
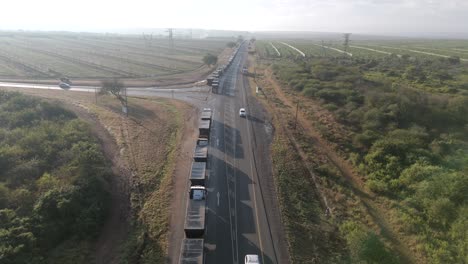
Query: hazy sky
[(356, 16)]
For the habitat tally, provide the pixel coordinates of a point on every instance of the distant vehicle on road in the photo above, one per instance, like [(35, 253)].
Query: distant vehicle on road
[(252, 259), (242, 112), (64, 85)]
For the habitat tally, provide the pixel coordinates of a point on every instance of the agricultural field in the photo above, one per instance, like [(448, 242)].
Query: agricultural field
[(95, 56), (369, 49)]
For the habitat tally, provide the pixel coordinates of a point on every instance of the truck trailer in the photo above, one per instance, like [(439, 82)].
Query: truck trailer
[(204, 128), (209, 80), (195, 215), (200, 153), (198, 173), (191, 251), (206, 114)]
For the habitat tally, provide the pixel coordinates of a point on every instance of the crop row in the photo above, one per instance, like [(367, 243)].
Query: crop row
[(94, 57), (365, 49)]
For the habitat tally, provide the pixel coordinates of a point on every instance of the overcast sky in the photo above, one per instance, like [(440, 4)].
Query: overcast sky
[(356, 16)]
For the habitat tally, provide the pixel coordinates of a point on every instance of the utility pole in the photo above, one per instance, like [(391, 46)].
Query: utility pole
[(171, 38), (324, 52), (148, 39), (297, 110), (125, 102)]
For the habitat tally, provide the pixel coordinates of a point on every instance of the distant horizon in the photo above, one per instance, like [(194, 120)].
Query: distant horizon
[(148, 30)]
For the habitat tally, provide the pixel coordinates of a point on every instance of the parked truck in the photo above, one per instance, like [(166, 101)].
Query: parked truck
[(201, 150), (191, 251), (209, 80), (206, 114), (215, 88), (198, 173), (195, 215), (204, 128)]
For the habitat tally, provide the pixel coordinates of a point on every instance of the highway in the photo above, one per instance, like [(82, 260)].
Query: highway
[(242, 215), (237, 221)]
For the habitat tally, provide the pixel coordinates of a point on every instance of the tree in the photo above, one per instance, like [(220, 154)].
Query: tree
[(240, 38), (231, 44), (454, 60), (210, 59), (116, 88)]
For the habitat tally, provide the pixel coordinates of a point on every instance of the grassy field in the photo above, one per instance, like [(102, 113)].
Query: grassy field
[(28, 55)]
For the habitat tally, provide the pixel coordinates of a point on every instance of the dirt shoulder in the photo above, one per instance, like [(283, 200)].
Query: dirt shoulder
[(263, 134), (143, 149), (180, 182)]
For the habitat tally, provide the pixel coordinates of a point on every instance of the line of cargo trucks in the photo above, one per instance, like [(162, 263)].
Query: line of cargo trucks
[(213, 79), (194, 226), (192, 248)]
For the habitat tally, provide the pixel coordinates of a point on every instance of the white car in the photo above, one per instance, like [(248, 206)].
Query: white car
[(252, 259), (242, 112)]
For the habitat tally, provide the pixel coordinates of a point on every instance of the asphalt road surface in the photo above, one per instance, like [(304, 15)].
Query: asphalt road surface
[(242, 215), (237, 221)]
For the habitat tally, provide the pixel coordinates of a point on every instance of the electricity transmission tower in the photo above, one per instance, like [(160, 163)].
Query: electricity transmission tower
[(346, 42)]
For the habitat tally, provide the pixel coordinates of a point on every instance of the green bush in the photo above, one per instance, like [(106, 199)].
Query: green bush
[(53, 179), (365, 246), (409, 123)]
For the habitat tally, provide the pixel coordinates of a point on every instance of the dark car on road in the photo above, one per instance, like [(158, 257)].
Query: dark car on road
[(64, 85)]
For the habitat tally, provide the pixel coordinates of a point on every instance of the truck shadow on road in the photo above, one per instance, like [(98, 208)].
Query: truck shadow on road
[(234, 211), (227, 140)]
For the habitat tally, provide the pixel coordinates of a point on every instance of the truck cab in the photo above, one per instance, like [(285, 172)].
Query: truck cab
[(252, 259), (198, 192)]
